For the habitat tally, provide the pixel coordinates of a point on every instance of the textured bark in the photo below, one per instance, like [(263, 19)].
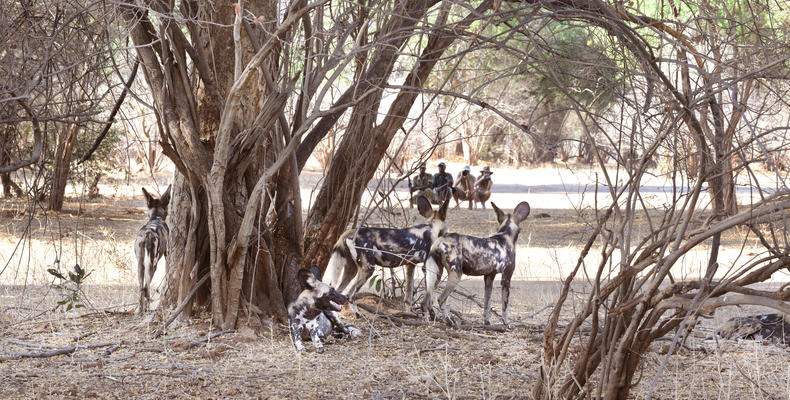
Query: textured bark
[(67, 138), (203, 120), (10, 188)]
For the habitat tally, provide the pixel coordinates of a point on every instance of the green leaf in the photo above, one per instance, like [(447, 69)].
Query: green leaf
[(53, 271), (69, 307), (378, 285), (80, 272), (74, 278), (372, 280), (79, 306), (64, 301)]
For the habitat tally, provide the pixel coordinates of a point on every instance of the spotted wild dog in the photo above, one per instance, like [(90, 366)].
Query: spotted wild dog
[(311, 314), (151, 243), (462, 254), (358, 251)]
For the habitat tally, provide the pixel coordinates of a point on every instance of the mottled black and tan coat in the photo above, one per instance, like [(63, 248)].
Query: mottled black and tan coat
[(311, 314), (151, 243), (358, 251), (462, 254)]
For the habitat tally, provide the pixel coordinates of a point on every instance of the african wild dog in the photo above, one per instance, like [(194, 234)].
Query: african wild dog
[(358, 251), (475, 256), (151, 243), (311, 314)]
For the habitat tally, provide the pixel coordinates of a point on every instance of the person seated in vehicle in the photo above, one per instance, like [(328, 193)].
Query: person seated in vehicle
[(442, 184), (422, 185)]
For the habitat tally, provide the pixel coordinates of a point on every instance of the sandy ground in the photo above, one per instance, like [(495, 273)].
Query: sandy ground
[(116, 354)]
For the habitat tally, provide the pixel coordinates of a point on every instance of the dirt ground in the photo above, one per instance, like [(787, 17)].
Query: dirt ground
[(107, 351)]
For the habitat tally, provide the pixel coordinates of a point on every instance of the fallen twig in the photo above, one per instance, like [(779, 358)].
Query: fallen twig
[(55, 351), (43, 354), (391, 317), (32, 345), (209, 337), (183, 305), (84, 335), (111, 350), (402, 321)]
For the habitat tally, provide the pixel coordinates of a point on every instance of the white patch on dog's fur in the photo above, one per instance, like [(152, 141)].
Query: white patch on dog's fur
[(352, 248)]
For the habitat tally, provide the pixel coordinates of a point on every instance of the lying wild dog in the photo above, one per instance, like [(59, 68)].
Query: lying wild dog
[(312, 313), (475, 256), (358, 251), (151, 243)]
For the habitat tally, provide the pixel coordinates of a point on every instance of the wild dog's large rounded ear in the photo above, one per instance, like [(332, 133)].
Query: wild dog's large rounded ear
[(316, 272), (424, 207), (148, 198), (443, 210), (166, 196), (306, 279), (500, 216), (521, 212)]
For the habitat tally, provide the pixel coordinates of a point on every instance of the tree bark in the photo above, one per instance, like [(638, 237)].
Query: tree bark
[(9, 186), (60, 174)]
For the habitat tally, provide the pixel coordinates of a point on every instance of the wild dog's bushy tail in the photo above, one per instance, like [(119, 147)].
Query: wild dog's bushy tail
[(433, 271), (339, 261), (150, 255)]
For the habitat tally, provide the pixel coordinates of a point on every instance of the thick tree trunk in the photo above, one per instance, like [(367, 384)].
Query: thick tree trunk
[(213, 186), (60, 174), (9, 186), (187, 258)]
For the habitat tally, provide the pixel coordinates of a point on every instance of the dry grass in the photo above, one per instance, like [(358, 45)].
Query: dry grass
[(121, 358)]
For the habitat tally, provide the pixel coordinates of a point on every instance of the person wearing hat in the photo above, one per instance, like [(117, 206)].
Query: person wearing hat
[(442, 183), (422, 185), (463, 189), (483, 186)]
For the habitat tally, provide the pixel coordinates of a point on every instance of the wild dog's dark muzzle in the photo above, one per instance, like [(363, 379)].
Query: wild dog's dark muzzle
[(332, 301)]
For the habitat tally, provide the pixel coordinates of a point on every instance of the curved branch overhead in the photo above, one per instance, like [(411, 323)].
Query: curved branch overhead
[(38, 139), (111, 117)]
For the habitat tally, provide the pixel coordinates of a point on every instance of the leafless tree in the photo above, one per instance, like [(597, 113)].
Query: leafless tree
[(242, 95), (699, 82), (58, 62)]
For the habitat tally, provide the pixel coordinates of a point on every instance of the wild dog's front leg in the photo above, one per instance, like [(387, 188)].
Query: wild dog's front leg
[(349, 330), (489, 286), (297, 327), (313, 328)]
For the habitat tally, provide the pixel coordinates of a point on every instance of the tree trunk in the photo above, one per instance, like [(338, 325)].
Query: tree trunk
[(360, 152), (60, 174), (5, 178)]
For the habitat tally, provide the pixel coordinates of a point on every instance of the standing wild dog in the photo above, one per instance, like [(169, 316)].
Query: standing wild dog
[(151, 243), (477, 257), (358, 251), (311, 314)]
